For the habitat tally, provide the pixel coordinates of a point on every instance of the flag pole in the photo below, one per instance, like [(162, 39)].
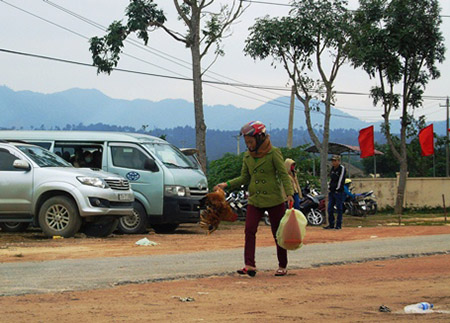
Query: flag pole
[(434, 167), (375, 165)]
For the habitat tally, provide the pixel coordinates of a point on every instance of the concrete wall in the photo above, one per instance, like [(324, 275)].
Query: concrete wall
[(420, 191)]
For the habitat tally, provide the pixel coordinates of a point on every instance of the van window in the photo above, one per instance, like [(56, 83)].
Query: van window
[(89, 156), (171, 156), (128, 157), (45, 145), (7, 160)]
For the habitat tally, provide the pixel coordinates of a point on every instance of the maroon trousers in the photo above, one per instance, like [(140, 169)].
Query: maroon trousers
[(254, 215)]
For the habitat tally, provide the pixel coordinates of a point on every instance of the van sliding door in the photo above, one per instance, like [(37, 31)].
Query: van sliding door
[(128, 160)]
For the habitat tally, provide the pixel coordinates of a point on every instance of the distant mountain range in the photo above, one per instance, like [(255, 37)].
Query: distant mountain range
[(31, 110)]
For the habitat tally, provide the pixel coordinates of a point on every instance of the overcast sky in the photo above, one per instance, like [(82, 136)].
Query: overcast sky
[(46, 30)]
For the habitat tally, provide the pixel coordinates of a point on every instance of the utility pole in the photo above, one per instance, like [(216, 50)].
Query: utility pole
[(447, 140), (291, 119), (237, 140)]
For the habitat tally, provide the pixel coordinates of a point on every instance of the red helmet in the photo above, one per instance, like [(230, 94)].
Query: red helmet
[(253, 128)]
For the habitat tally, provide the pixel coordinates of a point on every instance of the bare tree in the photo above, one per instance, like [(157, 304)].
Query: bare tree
[(204, 29)]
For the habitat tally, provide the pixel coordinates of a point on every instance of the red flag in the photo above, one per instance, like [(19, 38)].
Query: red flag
[(426, 139), (366, 144)]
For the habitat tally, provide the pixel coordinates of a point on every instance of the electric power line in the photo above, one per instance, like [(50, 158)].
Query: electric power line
[(151, 50), (292, 5), (239, 85), (137, 44)]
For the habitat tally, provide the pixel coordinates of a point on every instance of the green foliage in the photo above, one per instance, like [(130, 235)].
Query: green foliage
[(225, 168), (106, 50), (141, 15), (313, 30), (280, 38), (398, 40)]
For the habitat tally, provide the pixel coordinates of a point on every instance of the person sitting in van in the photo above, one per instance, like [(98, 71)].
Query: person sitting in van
[(66, 156), (78, 160), (97, 159), (88, 159)]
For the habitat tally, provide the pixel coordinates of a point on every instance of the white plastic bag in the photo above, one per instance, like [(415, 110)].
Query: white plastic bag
[(146, 242)]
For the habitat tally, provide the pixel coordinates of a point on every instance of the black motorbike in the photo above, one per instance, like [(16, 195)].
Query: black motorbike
[(371, 202), (355, 206), (238, 202), (311, 205), (362, 204)]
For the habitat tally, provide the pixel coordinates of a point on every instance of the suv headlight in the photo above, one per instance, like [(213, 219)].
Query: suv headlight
[(92, 181), (175, 190)]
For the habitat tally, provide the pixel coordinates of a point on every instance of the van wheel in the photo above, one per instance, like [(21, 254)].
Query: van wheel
[(165, 228), (59, 216), (136, 223), (14, 226), (99, 229)]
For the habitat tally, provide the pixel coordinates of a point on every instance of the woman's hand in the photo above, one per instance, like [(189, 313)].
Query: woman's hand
[(290, 199), (221, 186)]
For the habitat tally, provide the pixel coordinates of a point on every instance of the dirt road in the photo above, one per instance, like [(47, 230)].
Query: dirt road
[(343, 293)]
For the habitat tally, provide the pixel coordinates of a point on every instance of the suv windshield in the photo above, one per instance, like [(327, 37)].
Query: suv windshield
[(43, 157), (170, 155)]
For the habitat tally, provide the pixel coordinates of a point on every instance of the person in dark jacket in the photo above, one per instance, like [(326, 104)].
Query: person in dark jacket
[(336, 195)]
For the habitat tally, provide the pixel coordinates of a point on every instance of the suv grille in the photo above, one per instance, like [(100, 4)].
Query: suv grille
[(196, 192), (118, 184)]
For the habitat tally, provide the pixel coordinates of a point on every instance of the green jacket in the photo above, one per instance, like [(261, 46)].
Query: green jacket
[(264, 178)]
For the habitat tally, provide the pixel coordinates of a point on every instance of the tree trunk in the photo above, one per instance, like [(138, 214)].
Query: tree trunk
[(324, 171), (325, 139), (401, 188), (200, 126)]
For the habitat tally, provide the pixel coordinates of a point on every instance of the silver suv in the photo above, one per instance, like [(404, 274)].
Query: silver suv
[(39, 187)]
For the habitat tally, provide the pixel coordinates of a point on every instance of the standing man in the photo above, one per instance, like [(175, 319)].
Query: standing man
[(336, 193)]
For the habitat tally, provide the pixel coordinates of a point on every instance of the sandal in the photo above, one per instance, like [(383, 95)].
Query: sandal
[(281, 272), (246, 271)]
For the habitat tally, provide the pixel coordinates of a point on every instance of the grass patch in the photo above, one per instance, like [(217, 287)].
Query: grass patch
[(390, 219)]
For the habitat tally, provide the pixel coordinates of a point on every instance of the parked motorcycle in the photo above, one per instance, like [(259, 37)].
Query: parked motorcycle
[(238, 202), (362, 204), (313, 207), (371, 202), (309, 205), (355, 206)]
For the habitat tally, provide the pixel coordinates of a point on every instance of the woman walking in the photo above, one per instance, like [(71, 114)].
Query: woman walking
[(264, 172)]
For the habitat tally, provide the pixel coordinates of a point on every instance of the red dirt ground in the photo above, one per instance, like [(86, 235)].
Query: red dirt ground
[(347, 293)]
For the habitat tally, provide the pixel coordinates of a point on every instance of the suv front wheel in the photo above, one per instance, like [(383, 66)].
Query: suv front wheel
[(59, 216)]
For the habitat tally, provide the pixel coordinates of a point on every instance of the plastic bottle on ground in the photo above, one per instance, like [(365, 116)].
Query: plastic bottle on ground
[(419, 308)]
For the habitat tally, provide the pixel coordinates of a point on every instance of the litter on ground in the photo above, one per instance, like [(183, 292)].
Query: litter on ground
[(146, 242)]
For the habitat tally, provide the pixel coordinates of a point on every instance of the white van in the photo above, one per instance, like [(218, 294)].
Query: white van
[(168, 186)]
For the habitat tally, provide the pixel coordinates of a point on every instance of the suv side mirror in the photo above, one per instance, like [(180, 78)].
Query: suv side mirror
[(150, 165), (21, 164)]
